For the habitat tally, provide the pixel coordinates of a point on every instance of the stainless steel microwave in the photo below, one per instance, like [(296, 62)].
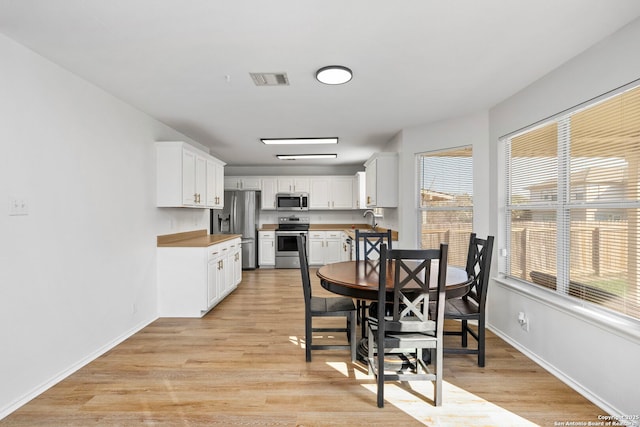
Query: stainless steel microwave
[(292, 201)]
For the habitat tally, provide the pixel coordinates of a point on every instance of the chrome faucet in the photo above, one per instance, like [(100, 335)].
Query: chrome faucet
[(373, 218)]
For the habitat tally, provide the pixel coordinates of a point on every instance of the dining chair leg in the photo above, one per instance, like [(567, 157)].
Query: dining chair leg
[(465, 329), (353, 339), (308, 334), (438, 382), (481, 346), (380, 370), (370, 344), (363, 317)]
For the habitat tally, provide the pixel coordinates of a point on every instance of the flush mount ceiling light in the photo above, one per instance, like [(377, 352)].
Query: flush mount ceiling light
[(306, 156), (287, 141), (334, 75)]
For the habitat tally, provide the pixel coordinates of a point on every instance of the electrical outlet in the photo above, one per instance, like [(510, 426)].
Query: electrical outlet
[(523, 320)]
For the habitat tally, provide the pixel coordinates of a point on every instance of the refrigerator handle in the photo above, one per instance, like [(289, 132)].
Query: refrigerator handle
[(234, 212)]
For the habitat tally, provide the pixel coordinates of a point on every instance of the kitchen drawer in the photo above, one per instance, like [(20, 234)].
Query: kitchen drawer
[(222, 249), (317, 234), (334, 234), (215, 251)]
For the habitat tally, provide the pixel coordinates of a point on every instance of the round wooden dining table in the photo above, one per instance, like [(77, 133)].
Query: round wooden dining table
[(359, 279)]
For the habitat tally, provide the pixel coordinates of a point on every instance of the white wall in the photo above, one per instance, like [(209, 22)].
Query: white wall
[(469, 130), (595, 354), (77, 274)]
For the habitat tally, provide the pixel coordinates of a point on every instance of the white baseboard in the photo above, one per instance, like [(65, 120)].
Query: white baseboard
[(64, 374), (606, 407)]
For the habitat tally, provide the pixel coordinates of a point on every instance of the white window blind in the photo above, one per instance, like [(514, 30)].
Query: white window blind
[(445, 206), (573, 205)]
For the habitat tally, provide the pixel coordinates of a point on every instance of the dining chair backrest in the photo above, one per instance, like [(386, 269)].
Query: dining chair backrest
[(411, 289), (304, 269), (478, 266), (371, 242)]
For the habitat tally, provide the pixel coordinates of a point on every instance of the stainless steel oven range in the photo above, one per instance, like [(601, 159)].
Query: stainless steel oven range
[(289, 227)]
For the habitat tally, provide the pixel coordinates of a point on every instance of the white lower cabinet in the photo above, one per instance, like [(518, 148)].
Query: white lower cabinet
[(325, 247), (267, 248), (192, 280), (345, 253), (235, 257)]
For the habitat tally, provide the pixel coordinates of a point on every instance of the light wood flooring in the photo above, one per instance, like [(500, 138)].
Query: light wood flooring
[(243, 364)]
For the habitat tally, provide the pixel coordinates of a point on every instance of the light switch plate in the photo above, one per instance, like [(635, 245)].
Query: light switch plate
[(18, 207)]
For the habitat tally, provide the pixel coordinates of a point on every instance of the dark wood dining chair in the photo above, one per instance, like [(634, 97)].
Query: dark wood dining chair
[(371, 242), (324, 307), (471, 307), (410, 329)]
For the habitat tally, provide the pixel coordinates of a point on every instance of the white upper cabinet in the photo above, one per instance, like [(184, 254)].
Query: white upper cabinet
[(194, 169), (359, 191), (187, 177), (382, 180), (215, 184), (331, 192), (341, 192), (319, 197), (269, 190), (292, 184), (242, 183)]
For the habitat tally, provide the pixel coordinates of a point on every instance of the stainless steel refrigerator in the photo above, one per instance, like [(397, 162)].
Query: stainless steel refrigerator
[(240, 216)]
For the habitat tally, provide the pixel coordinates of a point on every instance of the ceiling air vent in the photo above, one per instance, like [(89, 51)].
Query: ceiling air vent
[(270, 79)]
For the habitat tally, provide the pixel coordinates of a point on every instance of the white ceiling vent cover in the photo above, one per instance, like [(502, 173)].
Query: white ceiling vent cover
[(270, 79)]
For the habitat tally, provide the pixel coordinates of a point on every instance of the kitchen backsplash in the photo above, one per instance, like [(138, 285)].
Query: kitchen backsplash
[(317, 217), (335, 217)]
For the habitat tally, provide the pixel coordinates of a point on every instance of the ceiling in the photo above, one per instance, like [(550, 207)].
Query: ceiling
[(187, 62)]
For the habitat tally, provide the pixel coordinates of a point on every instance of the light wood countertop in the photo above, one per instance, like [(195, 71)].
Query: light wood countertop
[(193, 239)]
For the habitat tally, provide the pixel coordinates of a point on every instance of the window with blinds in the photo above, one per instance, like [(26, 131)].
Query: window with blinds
[(445, 201), (573, 205)]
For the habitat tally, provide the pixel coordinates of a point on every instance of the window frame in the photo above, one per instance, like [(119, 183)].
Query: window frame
[(622, 324), (420, 210)]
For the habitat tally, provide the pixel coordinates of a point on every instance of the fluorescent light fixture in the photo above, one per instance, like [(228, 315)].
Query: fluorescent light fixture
[(301, 141), (305, 156), (334, 75)]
